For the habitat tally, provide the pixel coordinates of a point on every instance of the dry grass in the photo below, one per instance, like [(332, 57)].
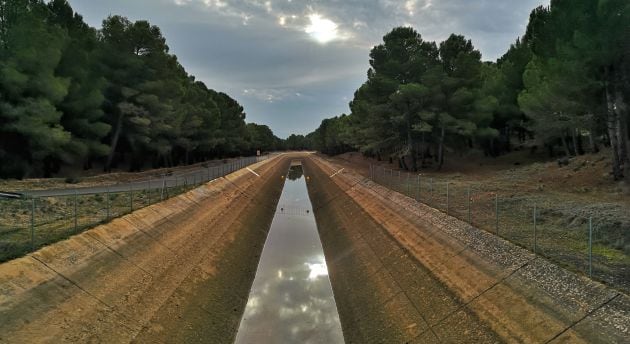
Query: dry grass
[(565, 198), (93, 177), (27, 224)]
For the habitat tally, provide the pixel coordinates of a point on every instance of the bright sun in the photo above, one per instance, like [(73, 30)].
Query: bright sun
[(322, 29)]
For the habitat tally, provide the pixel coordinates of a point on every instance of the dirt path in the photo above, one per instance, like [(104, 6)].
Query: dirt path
[(402, 270), (179, 271)]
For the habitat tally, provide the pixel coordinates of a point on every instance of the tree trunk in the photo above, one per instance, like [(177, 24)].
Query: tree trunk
[(441, 148), (592, 142), (576, 146), (404, 162), (412, 149), (115, 138), (550, 150), (508, 141), (622, 129), (422, 151), (565, 145), (611, 120)]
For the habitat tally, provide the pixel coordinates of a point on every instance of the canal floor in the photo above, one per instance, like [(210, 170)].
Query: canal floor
[(291, 300)]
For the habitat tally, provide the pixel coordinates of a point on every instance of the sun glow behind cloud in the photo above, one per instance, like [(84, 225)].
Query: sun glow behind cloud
[(321, 29), (226, 41)]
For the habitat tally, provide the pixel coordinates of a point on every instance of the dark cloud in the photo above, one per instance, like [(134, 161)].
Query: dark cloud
[(259, 52)]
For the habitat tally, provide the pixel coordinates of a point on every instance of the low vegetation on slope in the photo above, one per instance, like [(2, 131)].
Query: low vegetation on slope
[(564, 198)]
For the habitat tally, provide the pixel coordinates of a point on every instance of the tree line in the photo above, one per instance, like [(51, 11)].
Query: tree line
[(72, 95), (565, 82)]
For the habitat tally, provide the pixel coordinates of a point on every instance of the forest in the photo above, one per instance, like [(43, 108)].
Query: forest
[(563, 85), (72, 95)]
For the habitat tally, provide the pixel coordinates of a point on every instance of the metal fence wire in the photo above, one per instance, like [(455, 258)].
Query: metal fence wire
[(598, 247), (29, 223)]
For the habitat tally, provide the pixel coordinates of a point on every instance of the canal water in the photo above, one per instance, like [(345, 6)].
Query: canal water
[(291, 300)]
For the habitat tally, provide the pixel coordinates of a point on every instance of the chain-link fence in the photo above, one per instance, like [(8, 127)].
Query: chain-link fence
[(31, 222), (574, 237)]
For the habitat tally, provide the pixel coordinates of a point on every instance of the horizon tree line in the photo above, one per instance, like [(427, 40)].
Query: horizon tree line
[(72, 95)]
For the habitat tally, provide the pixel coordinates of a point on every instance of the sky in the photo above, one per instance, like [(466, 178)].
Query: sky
[(292, 63)]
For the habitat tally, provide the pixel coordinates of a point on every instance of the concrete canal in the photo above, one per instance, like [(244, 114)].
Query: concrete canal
[(291, 300), (240, 259)]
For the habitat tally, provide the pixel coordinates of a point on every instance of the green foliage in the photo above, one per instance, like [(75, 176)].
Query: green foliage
[(418, 98), (564, 82), (74, 95), (297, 142)]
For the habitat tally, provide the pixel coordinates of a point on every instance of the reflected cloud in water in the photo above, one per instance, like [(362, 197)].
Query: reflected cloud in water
[(291, 300)]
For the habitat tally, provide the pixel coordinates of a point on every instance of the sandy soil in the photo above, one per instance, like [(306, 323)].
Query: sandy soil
[(403, 270), (179, 271)]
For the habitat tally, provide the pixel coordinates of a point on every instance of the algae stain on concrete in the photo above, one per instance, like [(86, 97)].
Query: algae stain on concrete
[(291, 300)]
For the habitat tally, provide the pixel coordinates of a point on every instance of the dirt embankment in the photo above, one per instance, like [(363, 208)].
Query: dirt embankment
[(403, 272), (178, 271)]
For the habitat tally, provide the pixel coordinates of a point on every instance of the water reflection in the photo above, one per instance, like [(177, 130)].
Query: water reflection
[(295, 172), (291, 300)]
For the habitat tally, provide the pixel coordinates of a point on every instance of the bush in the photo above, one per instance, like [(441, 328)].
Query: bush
[(72, 180)]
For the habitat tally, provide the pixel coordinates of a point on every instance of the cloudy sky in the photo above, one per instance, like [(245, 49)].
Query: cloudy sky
[(291, 63)]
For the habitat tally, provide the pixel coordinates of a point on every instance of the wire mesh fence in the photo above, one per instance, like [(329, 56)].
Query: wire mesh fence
[(29, 223), (595, 246)]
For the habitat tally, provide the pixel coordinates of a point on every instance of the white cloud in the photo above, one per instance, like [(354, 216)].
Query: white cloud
[(322, 29), (269, 95)]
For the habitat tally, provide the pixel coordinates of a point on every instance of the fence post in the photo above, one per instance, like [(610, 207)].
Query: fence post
[(408, 185), (535, 238), (33, 223), (447, 198), (590, 246), (496, 211), (163, 186), (76, 227), (107, 203), (469, 200)]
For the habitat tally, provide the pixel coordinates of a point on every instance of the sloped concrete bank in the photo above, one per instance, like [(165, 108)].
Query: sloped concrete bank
[(178, 271), (403, 272)]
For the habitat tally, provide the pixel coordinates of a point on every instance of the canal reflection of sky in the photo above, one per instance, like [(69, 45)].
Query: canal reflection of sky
[(291, 300)]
